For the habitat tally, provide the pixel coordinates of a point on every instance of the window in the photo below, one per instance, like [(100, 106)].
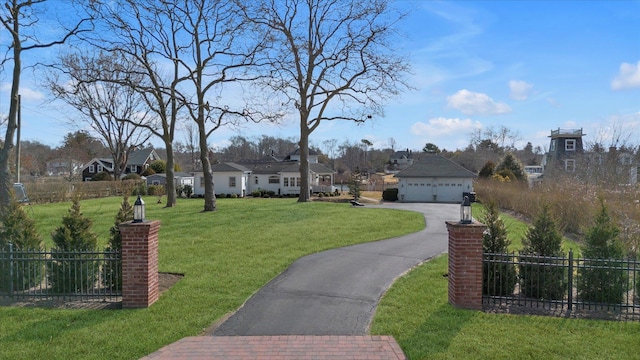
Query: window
[(285, 181), (570, 165), (100, 168), (134, 168), (274, 179), (201, 181), (298, 182), (552, 147), (570, 145), (256, 180), (92, 169), (232, 181)]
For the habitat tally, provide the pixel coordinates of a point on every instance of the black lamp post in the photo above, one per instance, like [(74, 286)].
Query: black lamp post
[(465, 211), (138, 210)]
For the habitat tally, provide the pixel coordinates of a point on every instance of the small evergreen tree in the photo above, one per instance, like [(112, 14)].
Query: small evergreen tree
[(546, 281), (499, 278), (112, 271), (19, 229), (487, 170), (355, 184), (600, 280), (73, 269), (511, 163)]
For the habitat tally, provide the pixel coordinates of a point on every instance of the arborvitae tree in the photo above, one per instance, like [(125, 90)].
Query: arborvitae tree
[(600, 280), (19, 229), (511, 163), (499, 278), (73, 268), (112, 270), (542, 239), (355, 183), (487, 170)]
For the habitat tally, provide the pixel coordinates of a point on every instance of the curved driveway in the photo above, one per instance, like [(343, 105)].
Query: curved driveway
[(335, 292)]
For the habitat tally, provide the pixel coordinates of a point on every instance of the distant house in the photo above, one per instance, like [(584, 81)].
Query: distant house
[(137, 162), (179, 179), (269, 174), (399, 160), (63, 167), (434, 179), (565, 148)]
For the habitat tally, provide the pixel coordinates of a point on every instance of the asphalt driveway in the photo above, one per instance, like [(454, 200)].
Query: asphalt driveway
[(335, 292)]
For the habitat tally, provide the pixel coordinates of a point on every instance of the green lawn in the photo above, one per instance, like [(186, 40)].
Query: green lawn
[(225, 255), (229, 254), (416, 312)]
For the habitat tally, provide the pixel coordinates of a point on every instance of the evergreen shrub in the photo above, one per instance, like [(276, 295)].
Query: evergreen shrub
[(602, 280), (542, 278), (74, 268), (19, 229), (498, 278), (112, 270), (390, 194)]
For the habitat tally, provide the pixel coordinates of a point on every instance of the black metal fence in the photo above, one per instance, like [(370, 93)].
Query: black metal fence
[(35, 275), (562, 286)]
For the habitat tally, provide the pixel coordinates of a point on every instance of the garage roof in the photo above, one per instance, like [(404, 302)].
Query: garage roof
[(434, 165)]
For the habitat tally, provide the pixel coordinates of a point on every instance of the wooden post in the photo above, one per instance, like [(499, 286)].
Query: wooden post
[(465, 264), (140, 285)]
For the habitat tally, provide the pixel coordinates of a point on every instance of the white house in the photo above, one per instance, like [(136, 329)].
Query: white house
[(434, 179), (282, 178), (228, 178)]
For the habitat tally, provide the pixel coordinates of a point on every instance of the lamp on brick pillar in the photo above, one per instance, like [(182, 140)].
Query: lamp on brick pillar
[(465, 211), (138, 210)]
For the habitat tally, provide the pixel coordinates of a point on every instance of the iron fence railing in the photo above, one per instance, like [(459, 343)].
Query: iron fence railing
[(56, 274), (564, 286)]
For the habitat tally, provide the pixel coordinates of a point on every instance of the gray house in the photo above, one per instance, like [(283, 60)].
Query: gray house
[(434, 179)]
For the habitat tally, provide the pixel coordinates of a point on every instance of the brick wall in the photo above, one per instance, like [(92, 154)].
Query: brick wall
[(465, 264), (140, 287)]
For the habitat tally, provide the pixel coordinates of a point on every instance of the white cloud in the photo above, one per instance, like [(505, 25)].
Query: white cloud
[(520, 90), (472, 103), (25, 92), (443, 126), (628, 77)]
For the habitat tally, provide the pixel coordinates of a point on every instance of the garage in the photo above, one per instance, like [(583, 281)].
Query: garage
[(434, 179)]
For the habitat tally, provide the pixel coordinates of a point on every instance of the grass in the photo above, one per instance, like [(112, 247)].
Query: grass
[(225, 255), (229, 254), (416, 313)]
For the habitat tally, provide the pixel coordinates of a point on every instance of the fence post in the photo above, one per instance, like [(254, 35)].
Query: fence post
[(140, 284), (465, 264), (10, 269), (570, 281)]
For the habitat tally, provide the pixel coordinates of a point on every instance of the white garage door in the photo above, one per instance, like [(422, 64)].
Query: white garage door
[(434, 190)]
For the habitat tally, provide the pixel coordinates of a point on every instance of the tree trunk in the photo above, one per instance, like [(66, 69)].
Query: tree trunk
[(170, 185), (305, 191), (209, 193), (6, 184)]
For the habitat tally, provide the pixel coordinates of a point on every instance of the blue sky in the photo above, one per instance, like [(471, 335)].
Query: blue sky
[(531, 66)]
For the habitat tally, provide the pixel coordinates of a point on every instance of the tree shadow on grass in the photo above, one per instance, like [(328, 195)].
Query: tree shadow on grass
[(435, 334)]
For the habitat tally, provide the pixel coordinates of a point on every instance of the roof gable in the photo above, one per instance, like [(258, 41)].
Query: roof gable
[(433, 165), (140, 157)]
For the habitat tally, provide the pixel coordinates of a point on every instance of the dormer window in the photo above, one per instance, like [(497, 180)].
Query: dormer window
[(570, 145)]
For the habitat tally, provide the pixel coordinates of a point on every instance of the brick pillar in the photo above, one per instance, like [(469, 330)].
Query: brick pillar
[(465, 264), (139, 263)]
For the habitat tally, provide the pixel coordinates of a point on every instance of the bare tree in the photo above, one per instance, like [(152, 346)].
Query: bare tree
[(201, 43), (331, 60), (19, 19), (107, 106)]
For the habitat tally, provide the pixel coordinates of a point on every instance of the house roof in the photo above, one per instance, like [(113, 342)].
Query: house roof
[(297, 152), (139, 157), (175, 175), (434, 165), (287, 166), (106, 163), (228, 167), (401, 154)]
